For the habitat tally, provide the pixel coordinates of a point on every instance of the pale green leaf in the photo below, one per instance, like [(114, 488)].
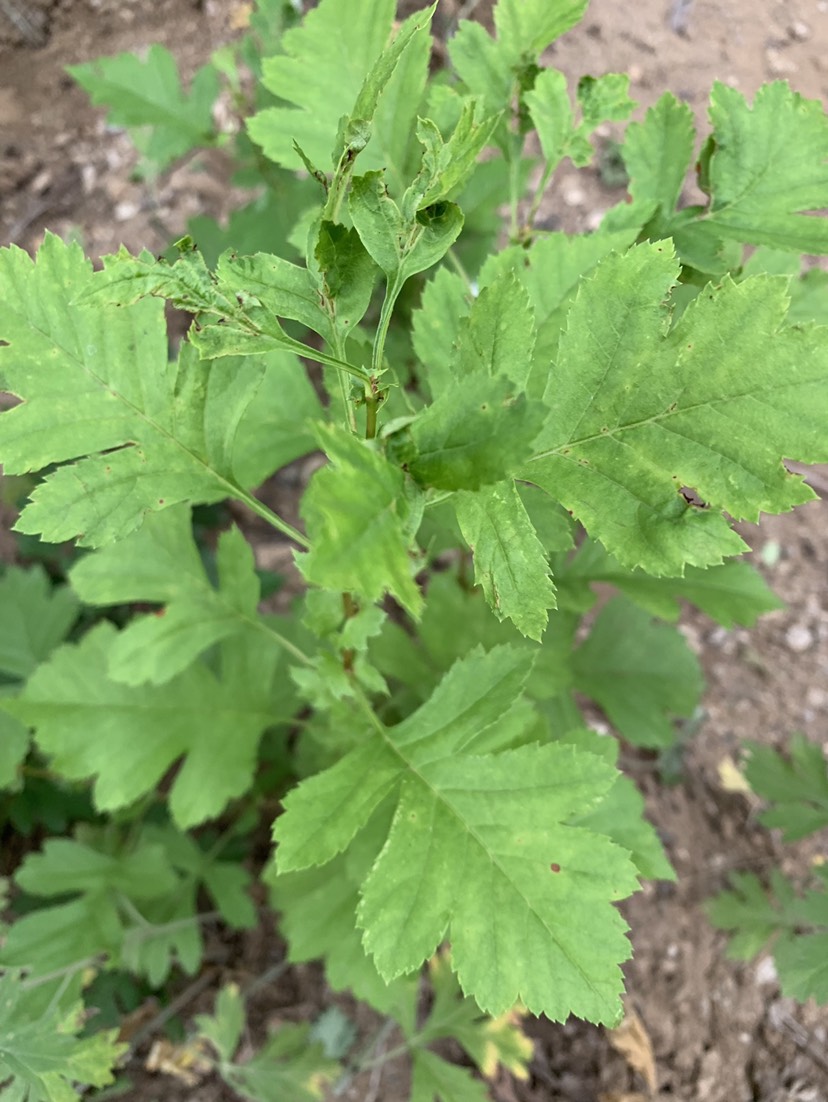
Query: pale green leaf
[(768, 168), (802, 963), (127, 738), (448, 165), (482, 64), (641, 412), (148, 92), (332, 66), (436, 327), (224, 1029), (290, 1065), (551, 110), (657, 154), (510, 563), (527, 27), (14, 745), (620, 814), (493, 1043), (499, 333), (161, 563), (356, 511), (96, 381), (43, 1058)]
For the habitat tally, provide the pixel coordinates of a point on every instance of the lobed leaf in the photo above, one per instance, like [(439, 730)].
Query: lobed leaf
[(478, 847), (148, 93), (95, 382), (640, 412), (128, 737)]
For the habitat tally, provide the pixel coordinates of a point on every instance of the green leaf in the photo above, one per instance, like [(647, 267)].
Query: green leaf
[(799, 925), (448, 165), (731, 593), (224, 1029), (492, 1043), (802, 963), (551, 271), (527, 27), (493, 823), (338, 63), (358, 509), (499, 333), (14, 745), (510, 563), (148, 92), (604, 99), (751, 913), (433, 1078), (35, 617), (436, 327), (657, 154), (483, 65), (401, 247), (796, 784), (277, 425), (640, 412), (345, 277), (767, 171), (213, 723), (551, 110), (620, 814), (288, 1066), (161, 563), (641, 673), (43, 1058), (477, 432), (131, 907), (95, 381)]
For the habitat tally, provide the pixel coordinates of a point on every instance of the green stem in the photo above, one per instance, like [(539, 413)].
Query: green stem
[(323, 358), (275, 521), (525, 231), (347, 404), (371, 405), (458, 266), (392, 293), (514, 193), (60, 973)]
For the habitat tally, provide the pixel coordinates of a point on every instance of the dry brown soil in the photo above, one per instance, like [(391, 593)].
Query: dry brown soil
[(721, 1032)]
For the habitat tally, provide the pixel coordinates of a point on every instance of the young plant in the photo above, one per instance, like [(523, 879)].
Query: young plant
[(502, 430)]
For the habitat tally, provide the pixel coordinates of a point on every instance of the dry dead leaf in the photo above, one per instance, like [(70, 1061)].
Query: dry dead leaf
[(623, 1096), (188, 1062), (240, 16), (633, 1042), (731, 777)]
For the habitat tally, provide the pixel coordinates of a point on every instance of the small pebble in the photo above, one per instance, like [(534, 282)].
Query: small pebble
[(799, 31), (766, 972), (799, 638), (816, 697), (126, 210), (779, 65)]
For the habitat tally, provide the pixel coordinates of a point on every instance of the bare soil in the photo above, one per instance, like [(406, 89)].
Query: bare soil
[(721, 1032)]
